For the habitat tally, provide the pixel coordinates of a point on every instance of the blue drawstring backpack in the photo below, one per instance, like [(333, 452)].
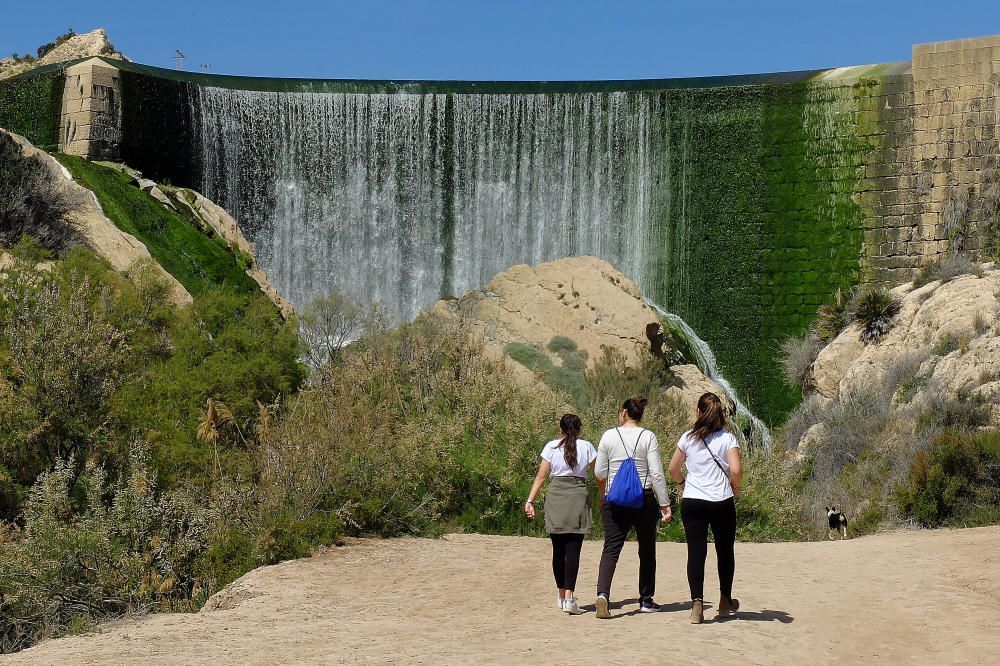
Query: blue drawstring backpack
[(626, 490)]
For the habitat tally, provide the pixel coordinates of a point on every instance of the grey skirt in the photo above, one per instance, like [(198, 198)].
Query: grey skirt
[(567, 506)]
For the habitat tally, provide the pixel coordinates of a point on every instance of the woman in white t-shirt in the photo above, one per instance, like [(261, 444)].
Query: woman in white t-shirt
[(714, 473), (567, 506)]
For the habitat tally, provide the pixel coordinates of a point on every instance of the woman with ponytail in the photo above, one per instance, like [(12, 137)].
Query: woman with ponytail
[(567, 507), (714, 473)]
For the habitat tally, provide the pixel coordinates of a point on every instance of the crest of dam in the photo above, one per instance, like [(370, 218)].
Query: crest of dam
[(730, 201)]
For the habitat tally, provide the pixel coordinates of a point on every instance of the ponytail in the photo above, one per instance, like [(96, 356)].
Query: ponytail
[(712, 418), (570, 426)]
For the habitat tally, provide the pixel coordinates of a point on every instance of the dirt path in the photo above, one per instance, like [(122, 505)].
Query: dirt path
[(924, 597)]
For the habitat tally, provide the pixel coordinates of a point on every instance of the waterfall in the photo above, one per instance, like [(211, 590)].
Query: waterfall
[(401, 199), (705, 360)]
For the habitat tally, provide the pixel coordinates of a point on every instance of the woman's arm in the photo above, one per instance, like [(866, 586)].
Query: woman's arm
[(543, 472), (676, 462), (735, 469)]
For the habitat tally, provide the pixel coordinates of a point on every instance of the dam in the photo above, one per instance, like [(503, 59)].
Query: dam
[(740, 203)]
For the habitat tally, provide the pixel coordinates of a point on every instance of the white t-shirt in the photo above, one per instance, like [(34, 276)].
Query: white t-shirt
[(704, 479), (556, 457)]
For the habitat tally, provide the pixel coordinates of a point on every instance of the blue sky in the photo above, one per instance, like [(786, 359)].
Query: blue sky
[(513, 39)]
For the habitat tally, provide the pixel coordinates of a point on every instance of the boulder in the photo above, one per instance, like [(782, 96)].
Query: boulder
[(584, 299)]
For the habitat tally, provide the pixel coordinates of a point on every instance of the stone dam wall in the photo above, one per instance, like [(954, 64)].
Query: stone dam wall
[(740, 203)]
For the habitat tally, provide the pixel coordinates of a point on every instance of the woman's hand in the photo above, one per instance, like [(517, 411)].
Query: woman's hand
[(666, 513), (736, 490), (529, 510)]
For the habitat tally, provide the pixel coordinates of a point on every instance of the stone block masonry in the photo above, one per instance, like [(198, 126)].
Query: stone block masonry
[(923, 191), (91, 117)]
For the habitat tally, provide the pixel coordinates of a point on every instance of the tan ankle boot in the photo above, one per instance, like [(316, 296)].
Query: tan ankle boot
[(697, 612), (728, 606)]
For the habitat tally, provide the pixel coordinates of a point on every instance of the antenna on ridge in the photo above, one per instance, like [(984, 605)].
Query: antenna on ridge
[(179, 59)]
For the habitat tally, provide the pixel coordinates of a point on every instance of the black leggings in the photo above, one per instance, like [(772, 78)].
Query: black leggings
[(697, 516), (566, 559)]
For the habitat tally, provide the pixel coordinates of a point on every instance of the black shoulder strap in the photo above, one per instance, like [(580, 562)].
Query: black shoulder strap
[(716, 460)]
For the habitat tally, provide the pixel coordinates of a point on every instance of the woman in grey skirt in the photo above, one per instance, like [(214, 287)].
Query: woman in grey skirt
[(567, 506)]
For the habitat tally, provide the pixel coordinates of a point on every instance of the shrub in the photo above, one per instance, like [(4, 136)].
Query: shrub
[(874, 309), (810, 412), (33, 202), (954, 481), (831, 318), (904, 373), (93, 550), (946, 344), (326, 325), (797, 356), (561, 343), (947, 270)]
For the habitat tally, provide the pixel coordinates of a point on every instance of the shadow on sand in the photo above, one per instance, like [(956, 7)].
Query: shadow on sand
[(679, 606)]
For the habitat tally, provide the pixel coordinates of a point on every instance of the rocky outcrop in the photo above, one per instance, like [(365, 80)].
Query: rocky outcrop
[(223, 224), (945, 343), (584, 299), (213, 219), (91, 44), (100, 234)]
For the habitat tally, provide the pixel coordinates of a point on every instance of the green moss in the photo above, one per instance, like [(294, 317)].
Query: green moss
[(198, 260), (30, 105)]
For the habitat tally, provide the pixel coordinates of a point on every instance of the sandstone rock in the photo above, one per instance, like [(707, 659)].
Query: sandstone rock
[(94, 43), (100, 234), (582, 298), (955, 325), (810, 440), (835, 360)]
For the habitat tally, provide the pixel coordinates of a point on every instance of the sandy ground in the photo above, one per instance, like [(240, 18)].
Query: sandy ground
[(912, 597)]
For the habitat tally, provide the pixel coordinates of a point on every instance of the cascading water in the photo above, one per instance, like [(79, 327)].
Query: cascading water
[(705, 360), (401, 199)]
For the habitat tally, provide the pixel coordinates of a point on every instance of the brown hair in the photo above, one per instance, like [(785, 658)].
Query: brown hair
[(635, 406), (570, 425), (712, 419)]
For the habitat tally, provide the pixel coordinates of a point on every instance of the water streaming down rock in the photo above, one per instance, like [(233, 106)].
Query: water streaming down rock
[(401, 199), (705, 360)]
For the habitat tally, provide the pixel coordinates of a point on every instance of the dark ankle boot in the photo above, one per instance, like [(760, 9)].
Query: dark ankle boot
[(728, 607), (697, 611)]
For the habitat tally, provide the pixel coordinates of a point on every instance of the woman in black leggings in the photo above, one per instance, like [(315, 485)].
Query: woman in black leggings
[(714, 473), (568, 518)]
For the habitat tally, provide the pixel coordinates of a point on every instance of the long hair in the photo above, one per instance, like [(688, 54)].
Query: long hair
[(712, 419), (570, 426), (635, 406)]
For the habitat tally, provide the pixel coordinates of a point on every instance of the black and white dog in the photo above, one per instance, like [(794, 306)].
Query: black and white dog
[(838, 522)]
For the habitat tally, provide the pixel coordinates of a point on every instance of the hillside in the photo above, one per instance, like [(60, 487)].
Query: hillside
[(66, 48), (906, 597)]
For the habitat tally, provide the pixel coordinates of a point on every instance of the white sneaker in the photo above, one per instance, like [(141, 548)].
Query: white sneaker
[(560, 603), (570, 606)]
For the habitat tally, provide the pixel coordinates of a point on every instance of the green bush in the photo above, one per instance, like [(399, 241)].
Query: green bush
[(90, 549), (831, 318), (874, 308), (561, 343), (955, 481)]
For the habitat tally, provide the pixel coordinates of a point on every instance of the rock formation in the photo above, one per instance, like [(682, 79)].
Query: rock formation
[(100, 234), (584, 299), (945, 343), (94, 43)]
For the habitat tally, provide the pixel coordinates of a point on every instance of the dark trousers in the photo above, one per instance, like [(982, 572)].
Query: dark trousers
[(566, 559), (618, 522), (697, 516)]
